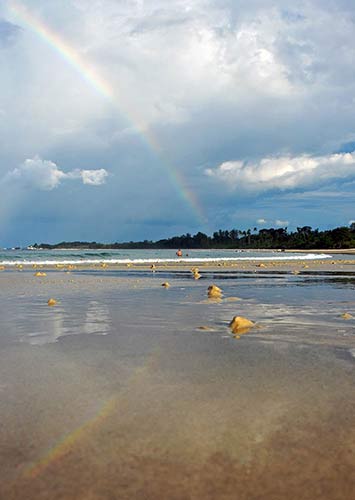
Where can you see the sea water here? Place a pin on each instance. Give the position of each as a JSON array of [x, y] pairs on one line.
[[88, 256]]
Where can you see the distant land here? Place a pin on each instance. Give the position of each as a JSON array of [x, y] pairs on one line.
[[304, 238]]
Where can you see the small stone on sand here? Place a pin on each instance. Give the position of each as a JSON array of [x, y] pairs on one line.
[[214, 292], [240, 324], [51, 302], [347, 316]]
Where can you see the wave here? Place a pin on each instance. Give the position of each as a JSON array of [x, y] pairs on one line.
[[190, 260]]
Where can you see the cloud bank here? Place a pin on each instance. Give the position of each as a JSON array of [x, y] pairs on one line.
[[46, 176], [285, 173]]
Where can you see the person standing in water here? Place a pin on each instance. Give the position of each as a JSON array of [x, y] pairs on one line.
[[179, 253]]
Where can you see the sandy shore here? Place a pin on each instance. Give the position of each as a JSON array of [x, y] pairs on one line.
[[117, 392], [242, 265]]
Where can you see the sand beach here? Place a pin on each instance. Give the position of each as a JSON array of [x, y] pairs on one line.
[[126, 389]]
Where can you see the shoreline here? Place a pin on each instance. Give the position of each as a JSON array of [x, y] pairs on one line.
[[348, 251]]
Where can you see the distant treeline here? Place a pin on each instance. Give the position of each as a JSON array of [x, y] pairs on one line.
[[303, 238]]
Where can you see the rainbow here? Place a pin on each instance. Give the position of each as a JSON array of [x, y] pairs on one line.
[[67, 442], [103, 88]]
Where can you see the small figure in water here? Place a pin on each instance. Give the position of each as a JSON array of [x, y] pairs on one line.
[[179, 253]]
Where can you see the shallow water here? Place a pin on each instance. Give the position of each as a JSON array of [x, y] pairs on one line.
[[117, 393]]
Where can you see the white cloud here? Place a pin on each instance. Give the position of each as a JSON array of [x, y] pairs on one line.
[[281, 223], [285, 173], [277, 222], [37, 173], [94, 177], [45, 175]]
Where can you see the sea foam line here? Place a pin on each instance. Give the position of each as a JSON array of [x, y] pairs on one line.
[[25, 262]]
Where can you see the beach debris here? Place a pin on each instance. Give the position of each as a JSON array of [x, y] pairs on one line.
[[51, 302], [166, 284], [197, 276], [295, 272], [240, 325], [347, 316], [261, 265], [39, 274], [153, 268], [104, 265], [214, 292]]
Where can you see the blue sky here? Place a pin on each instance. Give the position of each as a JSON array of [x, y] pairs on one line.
[[220, 114]]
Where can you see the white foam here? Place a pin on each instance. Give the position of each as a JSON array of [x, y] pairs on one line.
[[53, 262]]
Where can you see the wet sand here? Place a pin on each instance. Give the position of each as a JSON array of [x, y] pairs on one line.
[[117, 392]]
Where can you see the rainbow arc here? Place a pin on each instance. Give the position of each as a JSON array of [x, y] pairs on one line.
[[103, 88]]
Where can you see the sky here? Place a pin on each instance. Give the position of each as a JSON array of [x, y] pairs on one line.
[[127, 120]]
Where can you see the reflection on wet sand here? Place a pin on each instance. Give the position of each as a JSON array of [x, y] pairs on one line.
[[165, 437], [51, 326], [125, 395]]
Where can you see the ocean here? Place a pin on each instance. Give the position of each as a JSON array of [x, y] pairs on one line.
[[86, 256]]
